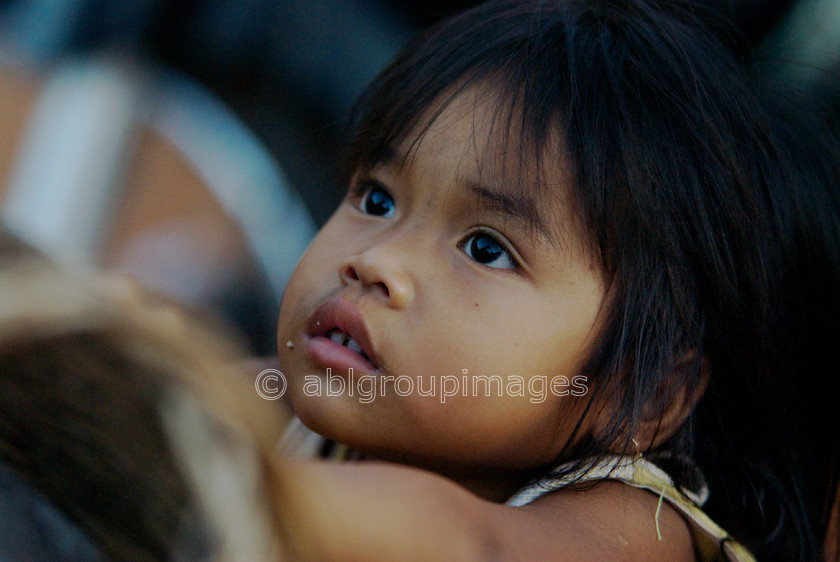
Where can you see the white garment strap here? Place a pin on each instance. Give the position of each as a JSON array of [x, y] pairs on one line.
[[619, 467], [62, 189], [710, 540]]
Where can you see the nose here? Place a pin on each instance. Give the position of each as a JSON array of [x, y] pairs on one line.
[[380, 269]]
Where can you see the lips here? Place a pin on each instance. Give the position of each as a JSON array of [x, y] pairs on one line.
[[337, 337]]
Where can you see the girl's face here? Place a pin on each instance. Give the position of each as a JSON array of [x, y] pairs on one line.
[[470, 305]]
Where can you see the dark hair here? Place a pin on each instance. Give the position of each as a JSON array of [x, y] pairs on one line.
[[713, 228]]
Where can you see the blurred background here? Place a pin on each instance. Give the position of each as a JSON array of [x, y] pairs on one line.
[[193, 143]]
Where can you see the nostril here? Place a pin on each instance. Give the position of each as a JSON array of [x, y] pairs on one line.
[[372, 276], [350, 273]]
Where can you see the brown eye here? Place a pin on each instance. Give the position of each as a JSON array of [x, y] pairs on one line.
[[378, 202], [488, 251]]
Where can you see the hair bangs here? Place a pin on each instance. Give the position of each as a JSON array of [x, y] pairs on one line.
[[514, 57]]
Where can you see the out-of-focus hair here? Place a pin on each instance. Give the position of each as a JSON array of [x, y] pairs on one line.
[[129, 415]]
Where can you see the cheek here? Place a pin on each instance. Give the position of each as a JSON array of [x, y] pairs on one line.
[[509, 431], [318, 266], [293, 295], [307, 280]]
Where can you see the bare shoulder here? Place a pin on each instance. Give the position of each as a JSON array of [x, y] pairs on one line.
[[611, 521], [380, 511], [377, 511]]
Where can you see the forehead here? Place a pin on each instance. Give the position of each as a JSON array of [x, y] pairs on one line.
[[478, 129], [477, 138]]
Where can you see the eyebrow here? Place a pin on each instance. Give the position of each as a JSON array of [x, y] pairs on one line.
[[515, 205], [518, 206]]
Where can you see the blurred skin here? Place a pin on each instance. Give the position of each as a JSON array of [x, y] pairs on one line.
[[161, 197]]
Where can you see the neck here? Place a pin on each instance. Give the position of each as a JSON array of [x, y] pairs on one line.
[[495, 485], [492, 485], [496, 490]]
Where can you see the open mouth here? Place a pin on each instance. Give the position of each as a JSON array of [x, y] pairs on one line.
[[343, 338], [338, 337]]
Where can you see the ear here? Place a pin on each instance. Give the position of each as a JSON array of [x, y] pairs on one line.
[[656, 425]]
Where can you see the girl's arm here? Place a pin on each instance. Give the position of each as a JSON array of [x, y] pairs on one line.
[[381, 511]]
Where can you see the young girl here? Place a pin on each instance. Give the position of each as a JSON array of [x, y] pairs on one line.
[[576, 296]]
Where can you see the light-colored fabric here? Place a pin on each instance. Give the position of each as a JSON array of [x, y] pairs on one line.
[[711, 542], [300, 442], [62, 189]]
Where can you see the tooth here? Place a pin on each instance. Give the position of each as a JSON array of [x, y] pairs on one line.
[[351, 344], [337, 336]]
